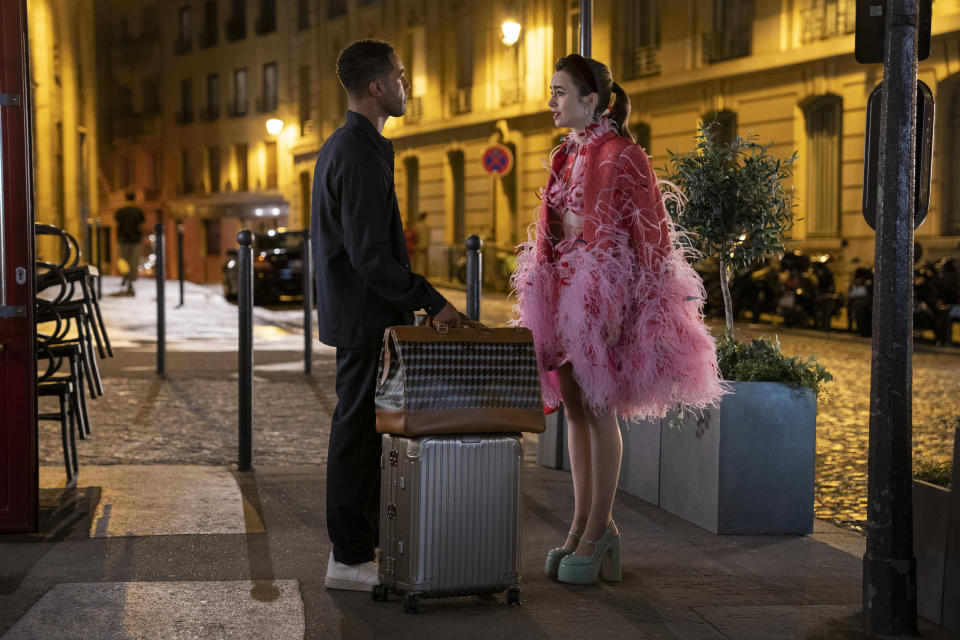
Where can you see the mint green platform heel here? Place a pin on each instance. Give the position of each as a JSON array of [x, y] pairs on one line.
[[605, 561], [554, 556]]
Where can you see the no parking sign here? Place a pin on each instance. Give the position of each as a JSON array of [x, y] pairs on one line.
[[497, 159]]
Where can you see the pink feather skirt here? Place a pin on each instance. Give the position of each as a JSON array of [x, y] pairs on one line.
[[634, 335]]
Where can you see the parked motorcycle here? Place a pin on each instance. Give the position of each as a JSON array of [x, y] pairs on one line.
[[860, 301], [798, 290]]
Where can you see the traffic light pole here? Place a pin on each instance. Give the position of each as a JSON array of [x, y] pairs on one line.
[[889, 568]]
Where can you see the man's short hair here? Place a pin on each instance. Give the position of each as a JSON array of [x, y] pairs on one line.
[[131, 196], [361, 63]]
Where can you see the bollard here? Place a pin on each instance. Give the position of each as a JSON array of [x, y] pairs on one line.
[[161, 311], [307, 304], [474, 276], [180, 260], [99, 266], [245, 369]]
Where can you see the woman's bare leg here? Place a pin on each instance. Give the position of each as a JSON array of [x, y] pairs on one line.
[[606, 449], [578, 445]]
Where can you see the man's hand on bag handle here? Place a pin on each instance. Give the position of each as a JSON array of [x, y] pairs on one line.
[[448, 316]]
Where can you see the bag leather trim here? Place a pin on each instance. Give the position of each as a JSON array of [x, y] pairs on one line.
[[442, 421]]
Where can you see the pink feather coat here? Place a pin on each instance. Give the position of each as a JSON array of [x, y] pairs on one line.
[[624, 306]]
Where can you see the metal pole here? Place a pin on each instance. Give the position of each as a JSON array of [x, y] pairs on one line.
[[99, 265], [307, 304], [889, 568], [180, 260], [474, 276], [88, 245], [245, 308], [161, 303], [586, 28]]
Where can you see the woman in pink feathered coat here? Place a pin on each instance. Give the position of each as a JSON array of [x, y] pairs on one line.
[[614, 307]]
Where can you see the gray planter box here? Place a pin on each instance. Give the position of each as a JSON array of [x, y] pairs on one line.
[[746, 467], [547, 442], [931, 506], [640, 466]]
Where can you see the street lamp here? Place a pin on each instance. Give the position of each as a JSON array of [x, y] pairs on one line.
[[510, 32], [274, 126]]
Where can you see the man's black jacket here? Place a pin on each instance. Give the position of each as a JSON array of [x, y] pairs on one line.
[[360, 262]]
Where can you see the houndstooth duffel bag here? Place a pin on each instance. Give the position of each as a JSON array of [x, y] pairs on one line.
[[474, 379]]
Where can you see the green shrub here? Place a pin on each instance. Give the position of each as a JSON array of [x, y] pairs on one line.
[[938, 472], [761, 360]]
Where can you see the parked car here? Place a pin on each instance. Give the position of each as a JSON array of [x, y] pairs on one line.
[[277, 268]]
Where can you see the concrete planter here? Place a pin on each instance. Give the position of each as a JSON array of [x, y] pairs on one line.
[[547, 454], [931, 508], [640, 466], [746, 467]]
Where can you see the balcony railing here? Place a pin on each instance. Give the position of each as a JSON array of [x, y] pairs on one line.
[[414, 111], [209, 37], [183, 116], [237, 109], [209, 112], [266, 105], [829, 21], [460, 101], [266, 24], [182, 45], [646, 61], [236, 29], [510, 93], [143, 51], [135, 126], [727, 44]]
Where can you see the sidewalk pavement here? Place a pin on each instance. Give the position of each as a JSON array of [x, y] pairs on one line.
[[162, 538]]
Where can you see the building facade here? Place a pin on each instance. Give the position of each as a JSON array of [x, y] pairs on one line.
[[64, 102], [782, 70]]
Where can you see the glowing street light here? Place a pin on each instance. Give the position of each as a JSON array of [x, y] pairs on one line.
[[274, 126], [510, 32]]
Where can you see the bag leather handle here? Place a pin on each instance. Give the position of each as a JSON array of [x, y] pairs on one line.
[[442, 327]]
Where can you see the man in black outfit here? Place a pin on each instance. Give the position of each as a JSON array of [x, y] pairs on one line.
[[364, 285]]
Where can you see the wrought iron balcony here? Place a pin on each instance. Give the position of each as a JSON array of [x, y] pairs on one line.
[[236, 29], [237, 109], [414, 111], [460, 101], [265, 104], [266, 24], [645, 61], [131, 127], [209, 37], [510, 92], [182, 45], [727, 44], [209, 112], [834, 19]]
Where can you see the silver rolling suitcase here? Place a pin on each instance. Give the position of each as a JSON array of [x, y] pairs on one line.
[[450, 517]]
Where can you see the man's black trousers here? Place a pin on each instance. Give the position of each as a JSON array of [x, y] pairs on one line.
[[353, 459]]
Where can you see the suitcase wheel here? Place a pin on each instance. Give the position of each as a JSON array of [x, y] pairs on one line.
[[411, 603], [513, 596], [379, 592]]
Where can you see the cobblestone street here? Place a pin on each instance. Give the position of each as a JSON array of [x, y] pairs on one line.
[[143, 419]]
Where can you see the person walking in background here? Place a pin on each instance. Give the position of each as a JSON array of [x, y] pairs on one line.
[[614, 307], [129, 237], [364, 285]]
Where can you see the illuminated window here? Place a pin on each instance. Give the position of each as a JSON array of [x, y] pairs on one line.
[[641, 38], [823, 117]]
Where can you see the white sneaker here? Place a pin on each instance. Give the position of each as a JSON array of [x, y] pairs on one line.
[[353, 577]]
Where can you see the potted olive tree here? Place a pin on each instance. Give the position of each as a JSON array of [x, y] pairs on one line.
[[746, 466]]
